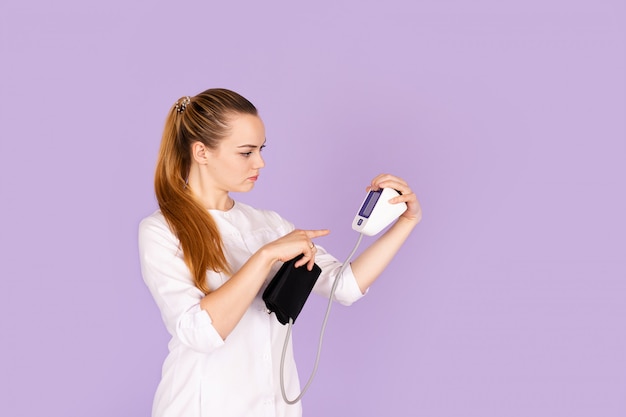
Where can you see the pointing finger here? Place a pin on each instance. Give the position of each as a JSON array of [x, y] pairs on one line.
[[311, 234]]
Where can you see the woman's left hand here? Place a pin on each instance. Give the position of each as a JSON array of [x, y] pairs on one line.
[[414, 210]]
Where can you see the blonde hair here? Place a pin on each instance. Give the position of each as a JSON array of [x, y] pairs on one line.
[[203, 118]]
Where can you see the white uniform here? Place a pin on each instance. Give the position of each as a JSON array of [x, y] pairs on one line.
[[204, 375]]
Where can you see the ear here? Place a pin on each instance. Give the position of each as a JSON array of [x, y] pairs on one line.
[[199, 153]]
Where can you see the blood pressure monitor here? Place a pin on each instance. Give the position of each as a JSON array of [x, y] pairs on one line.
[[377, 212], [285, 297]]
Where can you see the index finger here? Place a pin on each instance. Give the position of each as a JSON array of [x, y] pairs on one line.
[[311, 234], [388, 180]]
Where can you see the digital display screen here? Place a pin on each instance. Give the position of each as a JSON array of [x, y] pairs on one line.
[[369, 203]]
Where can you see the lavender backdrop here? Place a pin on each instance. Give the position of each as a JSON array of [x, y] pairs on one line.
[[507, 118]]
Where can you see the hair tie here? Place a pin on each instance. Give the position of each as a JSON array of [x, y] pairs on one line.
[[181, 104]]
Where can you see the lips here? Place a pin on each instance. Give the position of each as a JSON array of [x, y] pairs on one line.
[[256, 177]]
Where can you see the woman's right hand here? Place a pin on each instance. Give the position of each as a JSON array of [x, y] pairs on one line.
[[293, 244]]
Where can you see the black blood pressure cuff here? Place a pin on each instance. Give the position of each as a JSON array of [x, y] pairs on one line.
[[289, 289]]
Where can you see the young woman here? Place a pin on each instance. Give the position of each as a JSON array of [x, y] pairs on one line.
[[207, 258]]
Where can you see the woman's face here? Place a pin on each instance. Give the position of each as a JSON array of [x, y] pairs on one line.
[[234, 165]]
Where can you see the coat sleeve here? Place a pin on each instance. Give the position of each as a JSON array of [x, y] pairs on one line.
[[170, 283], [347, 291]]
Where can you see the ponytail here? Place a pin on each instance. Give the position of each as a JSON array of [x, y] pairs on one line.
[[203, 118]]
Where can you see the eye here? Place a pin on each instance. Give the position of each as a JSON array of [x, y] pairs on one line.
[[248, 154]]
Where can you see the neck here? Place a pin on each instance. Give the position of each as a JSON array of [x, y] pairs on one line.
[[224, 203], [211, 197]]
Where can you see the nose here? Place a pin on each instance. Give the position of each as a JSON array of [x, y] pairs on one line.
[[259, 162]]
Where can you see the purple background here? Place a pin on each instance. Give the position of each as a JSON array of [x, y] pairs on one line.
[[507, 118]]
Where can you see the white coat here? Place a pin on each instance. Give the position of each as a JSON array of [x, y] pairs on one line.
[[204, 375]]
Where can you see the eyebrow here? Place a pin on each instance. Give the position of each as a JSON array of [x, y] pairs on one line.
[[252, 146]]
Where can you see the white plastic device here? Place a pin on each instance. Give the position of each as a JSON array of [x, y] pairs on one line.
[[377, 212]]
